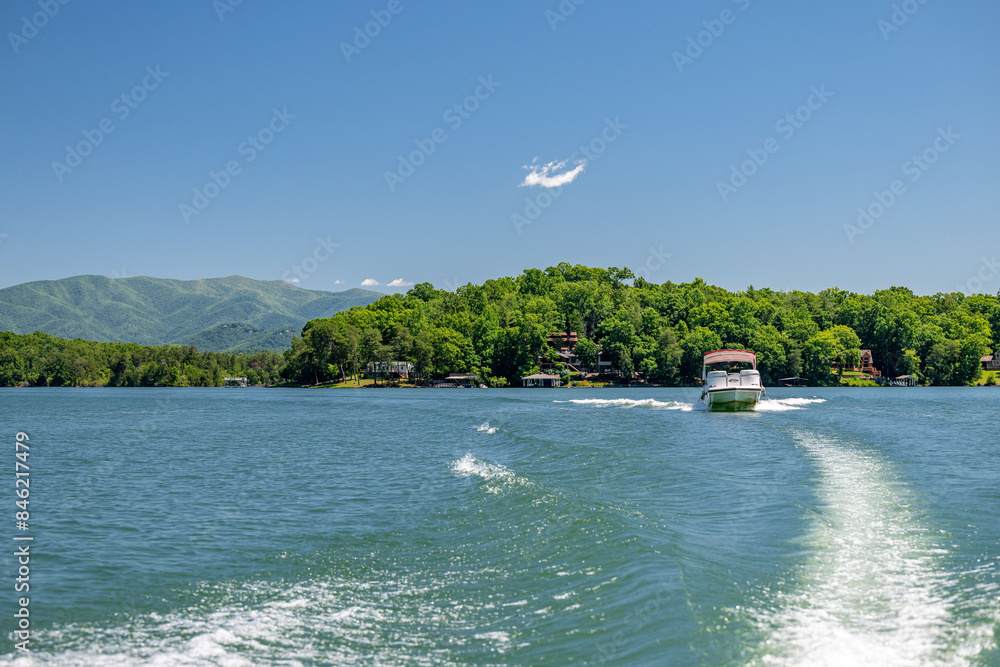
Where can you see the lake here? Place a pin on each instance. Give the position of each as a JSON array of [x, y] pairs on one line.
[[464, 526]]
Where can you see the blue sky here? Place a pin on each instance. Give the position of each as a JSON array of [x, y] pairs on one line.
[[668, 122]]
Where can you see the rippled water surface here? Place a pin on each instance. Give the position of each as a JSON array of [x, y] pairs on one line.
[[239, 527]]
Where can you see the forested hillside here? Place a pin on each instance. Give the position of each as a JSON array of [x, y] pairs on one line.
[[242, 338], [157, 311], [39, 359], [654, 332]]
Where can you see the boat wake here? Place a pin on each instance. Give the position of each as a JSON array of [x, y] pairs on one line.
[[497, 477], [765, 405], [785, 404], [486, 428], [274, 623], [632, 403], [874, 591]]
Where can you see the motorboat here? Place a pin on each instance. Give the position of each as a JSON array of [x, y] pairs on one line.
[[731, 389]]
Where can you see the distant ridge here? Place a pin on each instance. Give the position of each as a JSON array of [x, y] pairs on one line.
[[217, 314]]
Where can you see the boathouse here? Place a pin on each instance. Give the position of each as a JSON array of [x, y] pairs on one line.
[[541, 380], [462, 379]]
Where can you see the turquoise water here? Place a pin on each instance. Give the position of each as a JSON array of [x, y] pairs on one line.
[[230, 527]]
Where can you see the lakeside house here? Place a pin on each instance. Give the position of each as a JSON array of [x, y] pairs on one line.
[[234, 382], [991, 363], [563, 340], [541, 380], [564, 344], [567, 359], [389, 369], [866, 366]]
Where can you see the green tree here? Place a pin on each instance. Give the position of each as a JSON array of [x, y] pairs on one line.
[[909, 363], [588, 351], [835, 347], [694, 347], [942, 363], [668, 357]]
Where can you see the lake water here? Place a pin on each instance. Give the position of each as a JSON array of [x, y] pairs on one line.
[[230, 527]]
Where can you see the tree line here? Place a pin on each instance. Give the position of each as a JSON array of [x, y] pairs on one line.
[[499, 330], [650, 332], [39, 359]]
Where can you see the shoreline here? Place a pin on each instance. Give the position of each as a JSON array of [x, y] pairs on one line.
[[609, 387]]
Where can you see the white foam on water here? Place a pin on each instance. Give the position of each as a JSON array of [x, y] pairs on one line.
[[237, 632], [486, 428], [497, 476], [785, 404], [874, 591], [631, 403]]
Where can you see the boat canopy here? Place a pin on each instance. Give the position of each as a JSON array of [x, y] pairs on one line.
[[723, 356]]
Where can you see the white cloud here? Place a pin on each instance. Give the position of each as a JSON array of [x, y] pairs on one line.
[[337, 282], [544, 175], [292, 280], [369, 282], [398, 282]]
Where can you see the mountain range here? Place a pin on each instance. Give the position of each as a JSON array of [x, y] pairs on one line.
[[232, 314]]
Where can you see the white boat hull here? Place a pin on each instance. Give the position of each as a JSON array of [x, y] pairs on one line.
[[732, 400]]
